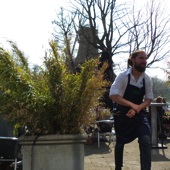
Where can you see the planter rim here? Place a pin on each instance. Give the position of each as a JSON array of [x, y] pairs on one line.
[[52, 139]]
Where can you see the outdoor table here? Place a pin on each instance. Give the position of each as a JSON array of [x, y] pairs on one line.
[[153, 109]]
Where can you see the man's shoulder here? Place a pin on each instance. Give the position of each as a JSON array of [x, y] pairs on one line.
[[123, 76], [125, 72], [146, 76]]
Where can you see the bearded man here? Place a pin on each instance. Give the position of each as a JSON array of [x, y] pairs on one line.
[[132, 93]]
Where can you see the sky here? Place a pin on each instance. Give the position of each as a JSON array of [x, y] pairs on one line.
[[28, 23]]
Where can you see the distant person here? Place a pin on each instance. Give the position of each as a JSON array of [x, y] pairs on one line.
[[159, 99], [132, 91], [165, 108], [161, 113]]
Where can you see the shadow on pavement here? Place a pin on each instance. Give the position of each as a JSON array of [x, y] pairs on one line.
[[167, 141], [159, 158], [162, 154], [105, 148]]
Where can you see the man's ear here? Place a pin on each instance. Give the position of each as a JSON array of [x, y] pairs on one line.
[[132, 60]]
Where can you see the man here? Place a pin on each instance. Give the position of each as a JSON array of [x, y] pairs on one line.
[[132, 92]]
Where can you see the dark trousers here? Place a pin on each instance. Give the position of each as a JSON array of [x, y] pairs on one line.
[[145, 153]]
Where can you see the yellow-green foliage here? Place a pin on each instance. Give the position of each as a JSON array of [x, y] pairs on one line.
[[52, 99]]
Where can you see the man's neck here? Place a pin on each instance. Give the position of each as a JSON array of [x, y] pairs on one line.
[[136, 74]]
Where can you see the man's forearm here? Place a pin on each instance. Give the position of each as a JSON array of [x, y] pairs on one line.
[[145, 103], [120, 100]]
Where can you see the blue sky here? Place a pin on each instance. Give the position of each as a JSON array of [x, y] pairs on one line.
[[28, 23]]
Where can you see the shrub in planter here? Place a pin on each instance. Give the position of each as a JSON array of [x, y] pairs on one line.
[[49, 99]]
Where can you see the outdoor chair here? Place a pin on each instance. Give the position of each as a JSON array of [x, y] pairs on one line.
[[9, 150], [105, 128]]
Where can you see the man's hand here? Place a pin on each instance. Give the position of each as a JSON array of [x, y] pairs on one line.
[[143, 105], [131, 113], [136, 107]]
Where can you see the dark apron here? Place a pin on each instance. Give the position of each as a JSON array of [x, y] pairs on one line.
[[127, 129]]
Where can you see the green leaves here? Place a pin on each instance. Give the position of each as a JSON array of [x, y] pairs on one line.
[[50, 99]]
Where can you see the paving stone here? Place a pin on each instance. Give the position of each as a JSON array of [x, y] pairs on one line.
[[103, 158]]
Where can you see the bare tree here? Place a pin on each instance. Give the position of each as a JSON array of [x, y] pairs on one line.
[[150, 32], [104, 17], [119, 30], [63, 35], [116, 29]]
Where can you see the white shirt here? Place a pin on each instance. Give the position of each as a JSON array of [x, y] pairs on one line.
[[119, 85]]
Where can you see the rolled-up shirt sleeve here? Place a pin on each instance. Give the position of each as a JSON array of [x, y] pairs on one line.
[[148, 88], [118, 86]]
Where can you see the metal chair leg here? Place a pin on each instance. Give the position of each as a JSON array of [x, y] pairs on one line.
[[15, 165], [98, 138]]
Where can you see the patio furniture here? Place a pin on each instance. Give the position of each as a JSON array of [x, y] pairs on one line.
[[9, 150], [104, 128], [154, 126]]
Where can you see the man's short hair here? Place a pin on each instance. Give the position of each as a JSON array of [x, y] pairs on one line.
[[134, 55]]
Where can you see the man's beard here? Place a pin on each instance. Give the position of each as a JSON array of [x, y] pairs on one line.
[[139, 68]]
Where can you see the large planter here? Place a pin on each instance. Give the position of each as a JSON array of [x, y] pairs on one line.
[[53, 152]]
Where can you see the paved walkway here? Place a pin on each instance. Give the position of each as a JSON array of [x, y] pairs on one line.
[[103, 158]]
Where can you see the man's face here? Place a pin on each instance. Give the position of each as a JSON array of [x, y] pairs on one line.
[[139, 62]]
